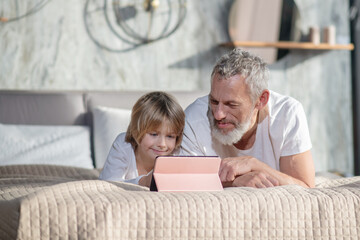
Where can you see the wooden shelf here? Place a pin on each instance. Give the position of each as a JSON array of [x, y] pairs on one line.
[[291, 45]]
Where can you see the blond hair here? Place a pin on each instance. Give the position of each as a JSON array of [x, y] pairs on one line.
[[149, 112]]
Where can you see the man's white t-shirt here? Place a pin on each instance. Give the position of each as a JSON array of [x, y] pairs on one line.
[[283, 132], [120, 164]]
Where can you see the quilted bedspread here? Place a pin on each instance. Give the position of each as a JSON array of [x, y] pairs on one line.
[[42, 202]]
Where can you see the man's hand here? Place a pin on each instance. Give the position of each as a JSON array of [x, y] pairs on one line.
[[249, 171], [232, 167], [255, 179], [241, 172]]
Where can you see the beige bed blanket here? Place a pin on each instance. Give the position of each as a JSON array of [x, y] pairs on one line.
[[42, 202]]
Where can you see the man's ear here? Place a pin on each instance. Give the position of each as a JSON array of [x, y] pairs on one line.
[[263, 99]]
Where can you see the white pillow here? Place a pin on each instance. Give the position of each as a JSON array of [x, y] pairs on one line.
[[108, 123], [56, 145]]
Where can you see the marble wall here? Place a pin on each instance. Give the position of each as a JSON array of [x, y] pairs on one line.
[[52, 49]]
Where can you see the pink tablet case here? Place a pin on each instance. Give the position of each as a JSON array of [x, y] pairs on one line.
[[190, 173]]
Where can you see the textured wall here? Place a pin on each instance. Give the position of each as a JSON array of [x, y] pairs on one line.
[[321, 80], [52, 50]]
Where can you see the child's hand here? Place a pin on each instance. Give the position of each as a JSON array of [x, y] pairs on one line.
[[146, 179]]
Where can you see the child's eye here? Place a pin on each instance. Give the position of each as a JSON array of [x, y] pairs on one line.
[[153, 134], [171, 136]]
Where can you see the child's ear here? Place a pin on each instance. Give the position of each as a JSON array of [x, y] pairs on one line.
[[263, 99]]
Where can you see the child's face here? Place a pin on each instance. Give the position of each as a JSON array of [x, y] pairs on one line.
[[162, 141]]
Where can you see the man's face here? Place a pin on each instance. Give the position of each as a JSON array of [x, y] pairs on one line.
[[232, 111]]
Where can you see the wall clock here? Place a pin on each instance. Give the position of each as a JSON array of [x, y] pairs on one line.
[[135, 22]]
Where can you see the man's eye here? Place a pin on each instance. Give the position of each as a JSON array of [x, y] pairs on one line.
[[212, 101], [233, 105]]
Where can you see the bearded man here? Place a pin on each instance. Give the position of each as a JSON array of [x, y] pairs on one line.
[[261, 136]]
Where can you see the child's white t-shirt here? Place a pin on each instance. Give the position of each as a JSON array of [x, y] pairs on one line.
[[120, 164], [283, 132]]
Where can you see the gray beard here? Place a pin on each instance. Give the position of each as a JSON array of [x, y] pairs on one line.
[[231, 137]]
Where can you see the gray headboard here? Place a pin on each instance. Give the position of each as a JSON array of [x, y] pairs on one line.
[[69, 107], [42, 108]]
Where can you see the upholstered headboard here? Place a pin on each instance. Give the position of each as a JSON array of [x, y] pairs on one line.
[[69, 107], [42, 108]]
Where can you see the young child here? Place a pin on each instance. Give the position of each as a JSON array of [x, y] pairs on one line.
[[156, 128]]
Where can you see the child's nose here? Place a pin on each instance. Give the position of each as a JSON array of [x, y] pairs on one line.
[[162, 142]]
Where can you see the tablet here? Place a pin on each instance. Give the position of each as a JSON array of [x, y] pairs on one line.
[[186, 173]]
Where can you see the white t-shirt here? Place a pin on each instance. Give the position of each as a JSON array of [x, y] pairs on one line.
[[120, 164], [283, 132]]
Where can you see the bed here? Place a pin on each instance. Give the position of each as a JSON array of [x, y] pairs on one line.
[[57, 197]]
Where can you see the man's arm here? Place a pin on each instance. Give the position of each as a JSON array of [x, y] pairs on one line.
[[249, 171], [300, 167]]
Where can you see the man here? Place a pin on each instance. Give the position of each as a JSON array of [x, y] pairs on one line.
[[261, 136]]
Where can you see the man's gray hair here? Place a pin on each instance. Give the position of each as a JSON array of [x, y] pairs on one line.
[[249, 66]]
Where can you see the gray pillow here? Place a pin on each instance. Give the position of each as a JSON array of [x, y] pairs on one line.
[[35, 144], [108, 123]]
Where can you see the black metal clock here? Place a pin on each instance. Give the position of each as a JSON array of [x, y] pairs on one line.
[[135, 22]]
